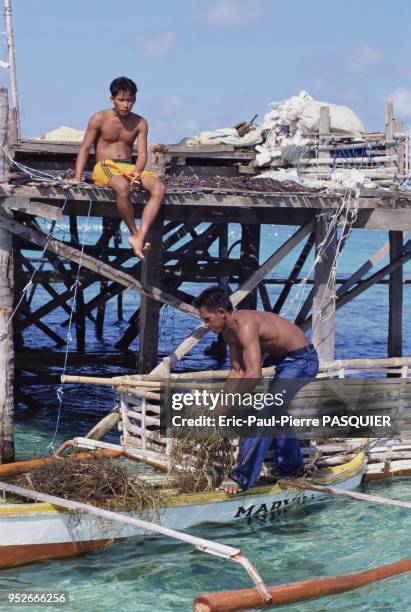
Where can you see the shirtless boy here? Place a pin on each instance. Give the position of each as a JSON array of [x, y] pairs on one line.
[[113, 132], [251, 335]]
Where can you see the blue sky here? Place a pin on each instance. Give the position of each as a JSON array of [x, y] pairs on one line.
[[204, 64]]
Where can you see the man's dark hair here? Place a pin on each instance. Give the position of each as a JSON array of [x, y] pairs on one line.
[[123, 84], [214, 298]]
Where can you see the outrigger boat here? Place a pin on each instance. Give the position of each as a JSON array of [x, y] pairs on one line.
[[38, 531]]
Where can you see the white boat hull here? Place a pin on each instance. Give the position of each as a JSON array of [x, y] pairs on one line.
[[35, 531]]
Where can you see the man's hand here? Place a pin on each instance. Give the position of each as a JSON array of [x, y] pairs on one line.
[[136, 179]]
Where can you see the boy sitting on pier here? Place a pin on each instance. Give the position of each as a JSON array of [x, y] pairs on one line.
[[113, 132], [250, 336]]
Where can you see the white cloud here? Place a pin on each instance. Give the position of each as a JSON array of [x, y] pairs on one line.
[[233, 13], [401, 98], [365, 56], [157, 45], [172, 105]]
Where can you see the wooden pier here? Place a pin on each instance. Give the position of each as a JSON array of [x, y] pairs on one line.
[[157, 281]]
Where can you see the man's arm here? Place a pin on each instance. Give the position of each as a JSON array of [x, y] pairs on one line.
[[245, 370], [141, 148], [88, 141]]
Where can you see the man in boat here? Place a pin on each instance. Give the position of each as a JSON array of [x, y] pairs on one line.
[[113, 132], [252, 335]]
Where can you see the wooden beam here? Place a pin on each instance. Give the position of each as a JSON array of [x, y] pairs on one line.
[[30, 207], [198, 333], [95, 265], [265, 298], [294, 274], [324, 291], [150, 309], [249, 261], [395, 297], [267, 267], [195, 249], [43, 327], [78, 304], [367, 283], [389, 120], [223, 253]]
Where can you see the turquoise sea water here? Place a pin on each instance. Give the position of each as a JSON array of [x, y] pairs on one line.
[[327, 538]]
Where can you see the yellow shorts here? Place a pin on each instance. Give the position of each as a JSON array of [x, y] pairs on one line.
[[104, 170]]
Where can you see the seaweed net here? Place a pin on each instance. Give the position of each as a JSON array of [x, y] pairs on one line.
[[200, 463], [100, 482]]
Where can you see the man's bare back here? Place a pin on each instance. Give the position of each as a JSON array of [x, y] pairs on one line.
[[277, 336]]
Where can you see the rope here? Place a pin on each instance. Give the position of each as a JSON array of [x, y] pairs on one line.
[[29, 284], [39, 174], [348, 210], [60, 390]]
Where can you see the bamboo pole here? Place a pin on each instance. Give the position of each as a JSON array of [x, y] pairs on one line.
[[146, 380], [207, 546], [373, 499]]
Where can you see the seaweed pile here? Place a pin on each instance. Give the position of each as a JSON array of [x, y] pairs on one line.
[[100, 482], [200, 463], [239, 184]]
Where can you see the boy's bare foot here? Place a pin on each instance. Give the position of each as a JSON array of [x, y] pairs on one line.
[[138, 247], [229, 486]]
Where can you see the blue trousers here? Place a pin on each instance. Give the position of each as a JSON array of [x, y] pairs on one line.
[[300, 365]]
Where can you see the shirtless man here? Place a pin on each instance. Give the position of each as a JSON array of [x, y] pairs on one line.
[[250, 335], [113, 132]]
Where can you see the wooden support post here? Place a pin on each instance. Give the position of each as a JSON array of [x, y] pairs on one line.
[[249, 261], [294, 274], [151, 273], [223, 252], [18, 287], [324, 292], [324, 129], [389, 120], [6, 307], [395, 298], [150, 309], [101, 308], [117, 243], [80, 320]]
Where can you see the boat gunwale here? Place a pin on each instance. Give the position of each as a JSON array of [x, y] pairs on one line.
[[330, 475]]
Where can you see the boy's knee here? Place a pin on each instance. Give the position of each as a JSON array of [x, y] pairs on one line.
[[121, 189]]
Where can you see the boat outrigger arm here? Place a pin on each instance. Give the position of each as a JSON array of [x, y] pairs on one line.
[[207, 546]]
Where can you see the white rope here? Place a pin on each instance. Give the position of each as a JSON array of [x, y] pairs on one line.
[[39, 174], [28, 285], [350, 214], [349, 219], [60, 390]]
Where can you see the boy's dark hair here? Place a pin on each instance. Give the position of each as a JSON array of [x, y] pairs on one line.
[[214, 298], [123, 84]]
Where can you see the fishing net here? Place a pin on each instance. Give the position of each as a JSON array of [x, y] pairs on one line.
[[100, 482]]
